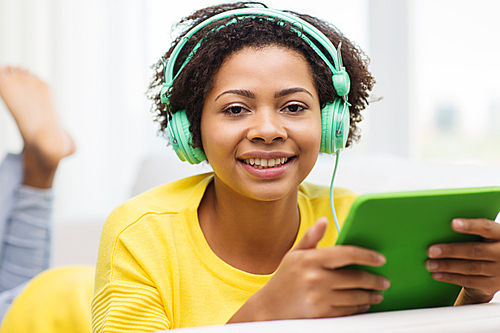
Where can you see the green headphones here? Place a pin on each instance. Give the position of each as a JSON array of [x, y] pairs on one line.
[[335, 117]]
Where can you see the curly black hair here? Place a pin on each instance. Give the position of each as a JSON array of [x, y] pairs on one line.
[[220, 40]]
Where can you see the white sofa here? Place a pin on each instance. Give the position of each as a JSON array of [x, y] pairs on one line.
[[484, 318]]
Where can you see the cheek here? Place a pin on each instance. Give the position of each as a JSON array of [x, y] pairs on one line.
[[204, 135], [217, 139], [207, 138], [317, 134], [310, 136]]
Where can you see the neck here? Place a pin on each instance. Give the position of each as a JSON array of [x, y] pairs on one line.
[[248, 234]]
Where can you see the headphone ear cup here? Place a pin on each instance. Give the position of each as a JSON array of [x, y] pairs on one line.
[[181, 138], [326, 128], [342, 121], [335, 123]]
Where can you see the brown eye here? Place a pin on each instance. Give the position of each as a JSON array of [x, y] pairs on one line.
[[294, 108], [235, 110]]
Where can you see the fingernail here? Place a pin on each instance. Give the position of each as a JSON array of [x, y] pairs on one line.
[[431, 265], [365, 308], [459, 224], [379, 298], [381, 259], [437, 276], [435, 251], [386, 284]]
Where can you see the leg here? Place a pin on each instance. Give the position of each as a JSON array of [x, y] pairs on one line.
[[25, 246], [25, 229], [26, 240], [45, 141], [11, 178]]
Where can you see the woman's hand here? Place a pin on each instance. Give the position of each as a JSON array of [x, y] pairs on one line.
[[311, 284], [473, 265]]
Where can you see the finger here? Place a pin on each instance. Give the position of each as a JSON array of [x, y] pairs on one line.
[[313, 235], [358, 279], [486, 284], [352, 298], [345, 255], [348, 311], [485, 228], [468, 250], [463, 267]]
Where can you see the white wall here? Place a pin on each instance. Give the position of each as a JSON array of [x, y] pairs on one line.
[[388, 120], [456, 109], [96, 55]]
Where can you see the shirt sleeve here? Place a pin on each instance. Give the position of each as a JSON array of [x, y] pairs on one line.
[[128, 307], [126, 296]]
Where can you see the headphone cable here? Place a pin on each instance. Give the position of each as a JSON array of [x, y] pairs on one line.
[[331, 193]]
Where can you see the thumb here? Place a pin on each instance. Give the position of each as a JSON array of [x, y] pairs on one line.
[[313, 235]]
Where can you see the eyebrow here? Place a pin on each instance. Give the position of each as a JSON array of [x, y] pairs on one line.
[[249, 94], [242, 92], [290, 91]]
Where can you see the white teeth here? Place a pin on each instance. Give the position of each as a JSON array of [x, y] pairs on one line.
[[261, 163]]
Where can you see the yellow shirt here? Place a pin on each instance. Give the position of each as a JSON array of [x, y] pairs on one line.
[[156, 271]]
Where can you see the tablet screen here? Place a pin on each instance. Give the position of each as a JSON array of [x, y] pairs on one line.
[[402, 225]]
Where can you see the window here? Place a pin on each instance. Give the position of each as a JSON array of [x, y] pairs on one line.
[[456, 95]]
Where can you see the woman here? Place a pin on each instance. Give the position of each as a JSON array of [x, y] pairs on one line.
[[248, 242]]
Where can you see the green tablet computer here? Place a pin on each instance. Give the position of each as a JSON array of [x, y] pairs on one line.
[[402, 226]]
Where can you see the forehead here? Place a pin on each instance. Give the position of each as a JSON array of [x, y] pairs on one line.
[[271, 64]]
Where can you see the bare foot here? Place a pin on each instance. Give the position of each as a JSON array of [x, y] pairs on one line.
[[30, 101]]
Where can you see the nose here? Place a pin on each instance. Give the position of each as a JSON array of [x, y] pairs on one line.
[[267, 127]]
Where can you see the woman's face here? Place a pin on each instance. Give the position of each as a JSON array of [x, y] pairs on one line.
[[261, 123]]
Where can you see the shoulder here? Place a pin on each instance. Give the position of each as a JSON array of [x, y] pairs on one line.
[[169, 198], [149, 220], [320, 192]]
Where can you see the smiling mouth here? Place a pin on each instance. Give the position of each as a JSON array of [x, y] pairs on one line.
[[261, 163]]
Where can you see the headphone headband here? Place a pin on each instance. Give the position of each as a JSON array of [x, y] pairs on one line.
[[301, 25]]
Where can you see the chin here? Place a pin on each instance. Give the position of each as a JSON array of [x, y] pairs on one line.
[[272, 192]]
